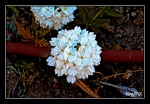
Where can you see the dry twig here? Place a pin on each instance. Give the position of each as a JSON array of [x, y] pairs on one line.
[[84, 87]]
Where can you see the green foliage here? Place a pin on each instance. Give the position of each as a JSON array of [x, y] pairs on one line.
[[84, 14], [103, 10], [114, 13], [14, 11], [21, 91], [11, 25], [19, 88], [98, 20], [14, 69]]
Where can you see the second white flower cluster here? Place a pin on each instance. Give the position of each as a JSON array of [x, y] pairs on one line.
[[74, 54], [53, 17]]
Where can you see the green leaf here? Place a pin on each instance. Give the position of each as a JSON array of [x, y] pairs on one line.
[[83, 13], [24, 88], [100, 22], [11, 67], [11, 25], [94, 29], [102, 12], [20, 91], [15, 11], [114, 13]]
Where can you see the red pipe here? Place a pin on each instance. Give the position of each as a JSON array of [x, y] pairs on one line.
[[27, 49], [134, 56]]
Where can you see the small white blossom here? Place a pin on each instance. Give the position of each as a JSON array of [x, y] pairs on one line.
[[61, 67], [94, 57], [70, 54], [54, 42], [48, 23], [51, 60], [82, 59], [71, 79], [73, 69], [86, 44], [61, 33], [64, 19], [47, 11], [70, 38], [70, 17]]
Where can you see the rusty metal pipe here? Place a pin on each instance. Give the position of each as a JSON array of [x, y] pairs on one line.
[[134, 56]]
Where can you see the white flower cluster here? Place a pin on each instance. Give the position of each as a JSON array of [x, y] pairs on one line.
[[53, 17], [74, 54]]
